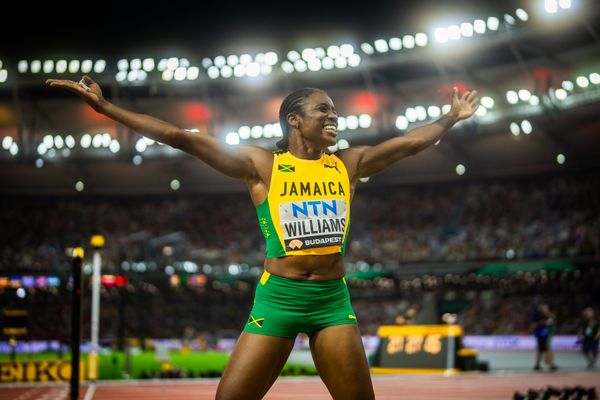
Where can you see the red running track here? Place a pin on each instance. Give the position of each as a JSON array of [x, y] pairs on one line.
[[413, 387]]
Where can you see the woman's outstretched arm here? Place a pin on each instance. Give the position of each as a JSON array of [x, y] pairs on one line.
[[370, 160], [239, 162]]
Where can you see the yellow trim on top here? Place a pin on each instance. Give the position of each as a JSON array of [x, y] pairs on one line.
[[265, 277], [344, 279], [414, 371], [399, 330]]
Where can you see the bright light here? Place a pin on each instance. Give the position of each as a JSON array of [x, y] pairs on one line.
[[48, 66], [381, 45], [434, 111], [58, 142], [481, 111], [140, 145], [226, 71], [460, 169], [441, 35], [245, 59], [97, 140], [354, 60], [256, 132], [136, 64], [564, 4], [137, 159], [22, 66], [175, 185], [73, 66], [122, 65], [6, 142], [408, 41], [293, 55], [524, 94], [526, 127], [86, 66], [287, 66], [560, 94], [560, 158], [421, 113], [314, 64], [79, 186], [401, 122], [421, 39], [213, 72], [244, 132], [132, 75], [343, 144], [509, 19], [36, 65], [367, 48], [271, 58], [172, 63], [114, 146], [364, 120], [341, 124], [192, 73], [3, 75], [479, 26], [48, 141], [21, 293], [39, 163], [308, 54], [346, 50], [582, 81], [493, 23], [86, 141], [300, 65], [70, 141], [446, 108], [515, 129], [352, 122], [550, 6], [180, 74], [341, 62], [534, 100], [41, 149], [99, 66], [595, 78], [453, 32], [512, 97], [122, 75], [567, 85], [522, 14], [411, 114], [466, 29], [395, 43], [13, 149], [487, 102], [232, 138]]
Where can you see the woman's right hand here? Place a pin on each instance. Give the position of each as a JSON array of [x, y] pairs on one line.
[[86, 88]]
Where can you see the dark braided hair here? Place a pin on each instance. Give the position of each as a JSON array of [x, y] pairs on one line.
[[292, 104]]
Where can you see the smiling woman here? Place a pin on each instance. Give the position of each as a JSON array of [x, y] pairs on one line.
[[302, 194]]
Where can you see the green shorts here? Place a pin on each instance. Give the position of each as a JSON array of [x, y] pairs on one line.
[[285, 307]]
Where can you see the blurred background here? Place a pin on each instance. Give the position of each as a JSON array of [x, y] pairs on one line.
[[500, 216]]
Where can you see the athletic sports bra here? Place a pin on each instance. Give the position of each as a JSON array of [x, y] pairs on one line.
[[307, 209]]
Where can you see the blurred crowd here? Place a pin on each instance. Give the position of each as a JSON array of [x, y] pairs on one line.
[[531, 218]]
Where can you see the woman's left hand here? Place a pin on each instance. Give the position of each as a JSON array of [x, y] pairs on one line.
[[465, 106]]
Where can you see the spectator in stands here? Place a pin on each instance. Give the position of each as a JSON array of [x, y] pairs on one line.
[[589, 335]]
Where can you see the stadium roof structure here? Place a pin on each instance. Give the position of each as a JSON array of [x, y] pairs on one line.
[[223, 70]]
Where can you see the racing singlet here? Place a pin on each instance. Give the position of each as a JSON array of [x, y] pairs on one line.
[[307, 209]]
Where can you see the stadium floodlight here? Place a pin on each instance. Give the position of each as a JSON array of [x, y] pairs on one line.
[[515, 129], [479, 26], [352, 122], [564, 4], [239, 70], [354, 60], [333, 51], [308, 54], [122, 65], [512, 97], [278, 132], [266, 69], [271, 58], [493, 23], [48, 141], [99, 66], [41, 149], [560, 158], [244, 132], [245, 59], [320, 52], [433, 111], [61, 66], [526, 127], [22, 66], [85, 141], [86, 66], [121, 76], [343, 144], [395, 43], [381, 45], [148, 64], [175, 184], [253, 69], [140, 145], [167, 75], [346, 50], [509, 19], [487, 102], [206, 63], [342, 124], [268, 130], [184, 62], [441, 35], [74, 66], [232, 138], [180, 73], [453, 32], [446, 108], [534, 100], [70, 141], [13, 149], [192, 73], [560, 94], [287, 66], [39, 163], [408, 41], [6, 142], [364, 121], [58, 142], [232, 60], [172, 63], [341, 62], [213, 72], [328, 63], [3, 75], [106, 139], [367, 48], [48, 66], [36, 65], [114, 146], [131, 75], [466, 29], [481, 111], [401, 122], [219, 61], [300, 65], [256, 132], [411, 114], [162, 64], [293, 55], [421, 113], [567, 85], [522, 14], [524, 94], [460, 169], [79, 186], [550, 6], [226, 71], [582, 81], [97, 141], [314, 64], [135, 64], [421, 39], [595, 78]]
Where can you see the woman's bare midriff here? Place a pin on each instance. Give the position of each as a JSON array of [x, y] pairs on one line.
[[307, 268]]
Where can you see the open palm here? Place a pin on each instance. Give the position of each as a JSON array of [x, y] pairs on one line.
[[465, 106], [87, 89]]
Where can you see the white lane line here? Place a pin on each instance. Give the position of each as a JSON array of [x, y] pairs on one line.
[[89, 394]]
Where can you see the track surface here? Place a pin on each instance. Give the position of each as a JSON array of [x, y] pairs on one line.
[[416, 387]]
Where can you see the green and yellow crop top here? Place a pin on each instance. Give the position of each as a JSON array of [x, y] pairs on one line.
[[307, 209]]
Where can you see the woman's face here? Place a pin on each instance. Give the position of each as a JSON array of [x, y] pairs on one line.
[[318, 122]]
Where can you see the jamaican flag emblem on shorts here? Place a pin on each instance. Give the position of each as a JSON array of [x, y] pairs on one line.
[[286, 168]]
